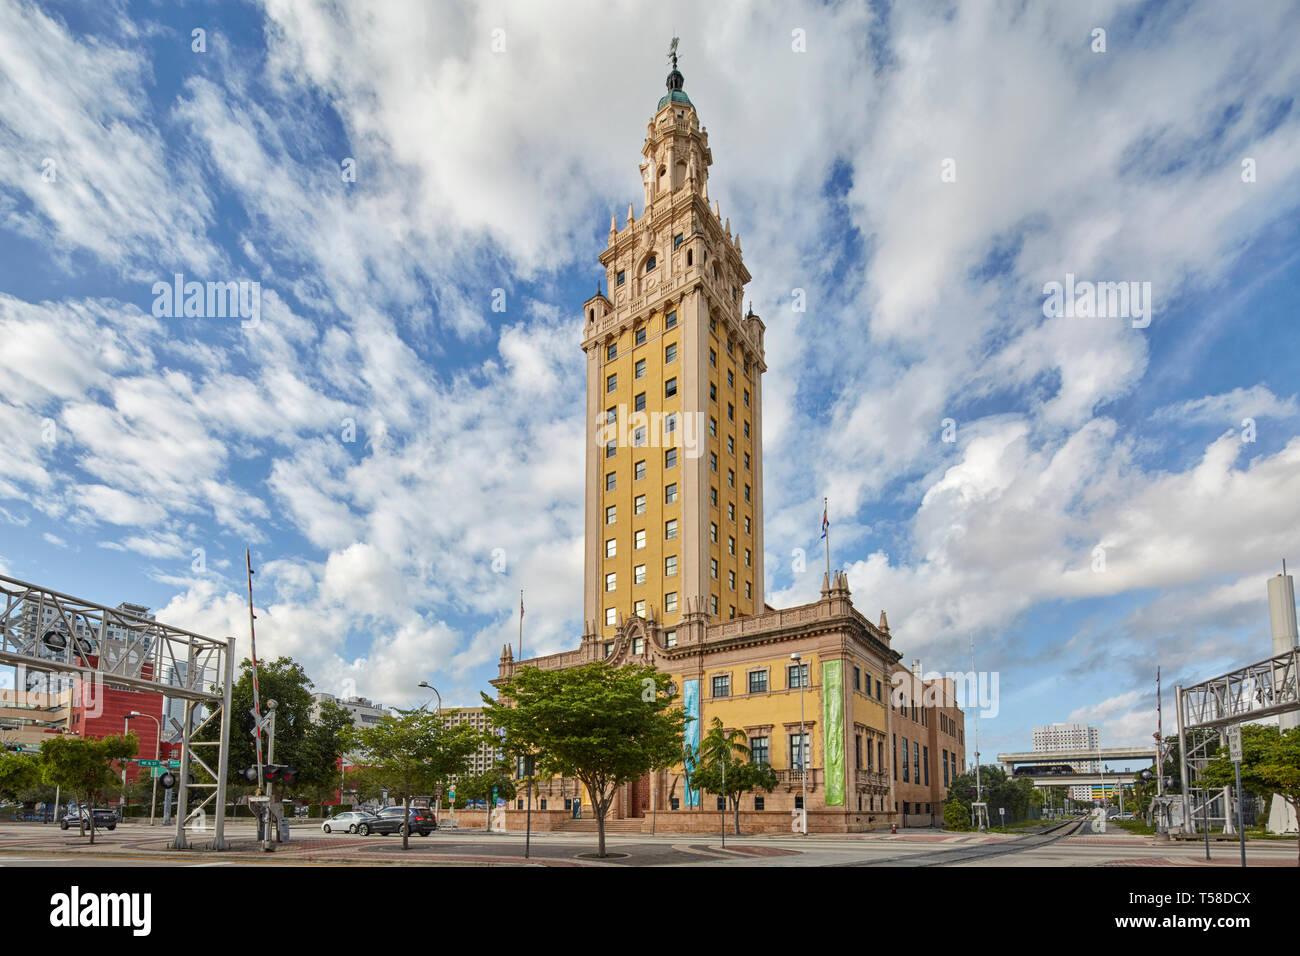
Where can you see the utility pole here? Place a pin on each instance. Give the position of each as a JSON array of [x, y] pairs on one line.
[[979, 790]]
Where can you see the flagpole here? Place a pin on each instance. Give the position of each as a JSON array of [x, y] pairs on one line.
[[826, 516], [521, 624]]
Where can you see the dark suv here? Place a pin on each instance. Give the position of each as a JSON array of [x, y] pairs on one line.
[[103, 818], [422, 821]]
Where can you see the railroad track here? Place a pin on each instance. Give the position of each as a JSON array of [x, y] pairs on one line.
[[982, 851]]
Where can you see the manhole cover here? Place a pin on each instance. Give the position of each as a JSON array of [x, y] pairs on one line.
[[607, 856]]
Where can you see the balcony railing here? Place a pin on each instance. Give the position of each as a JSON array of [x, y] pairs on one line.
[[793, 779]]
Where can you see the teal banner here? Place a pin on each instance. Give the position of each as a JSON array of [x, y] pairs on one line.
[[691, 704]]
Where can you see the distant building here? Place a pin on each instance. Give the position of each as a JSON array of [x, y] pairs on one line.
[[1060, 737], [486, 755]]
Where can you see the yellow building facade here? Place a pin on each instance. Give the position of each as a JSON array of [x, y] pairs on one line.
[[674, 527]]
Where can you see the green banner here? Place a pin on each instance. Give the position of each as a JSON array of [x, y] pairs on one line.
[[833, 731]]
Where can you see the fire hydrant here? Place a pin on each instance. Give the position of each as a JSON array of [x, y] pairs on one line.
[[893, 828]]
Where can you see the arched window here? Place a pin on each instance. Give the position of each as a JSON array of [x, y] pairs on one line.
[[650, 264], [591, 315]]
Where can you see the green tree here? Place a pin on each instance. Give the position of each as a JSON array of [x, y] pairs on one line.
[[413, 753], [83, 766], [1270, 765], [481, 785], [309, 747], [18, 774], [725, 768], [606, 726], [956, 815]]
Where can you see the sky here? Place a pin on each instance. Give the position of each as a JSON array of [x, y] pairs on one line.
[[1086, 497]]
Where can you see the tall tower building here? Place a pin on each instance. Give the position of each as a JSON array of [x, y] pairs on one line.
[[674, 490]]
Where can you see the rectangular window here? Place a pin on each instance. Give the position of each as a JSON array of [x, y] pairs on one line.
[[713, 428], [670, 529], [722, 685], [731, 379], [731, 445], [798, 750], [670, 493], [611, 581], [609, 648], [713, 392], [758, 752], [731, 512], [640, 333], [713, 463], [611, 382], [746, 429], [747, 492], [857, 678], [638, 574], [611, 481], [731, 412], [670, 566], [713, 497], [748, 558], [639, 610], [731, 478], [857, 751], [611, 547], [611, 449], [670, 637], [731, 545], [638, 505], [670, 607], [797, 676], [638, 470], [713, 568], [640, 368], [916, 760], [621, 277], [611, 416], [758, 682], [670, 354], [638, 540], [713, 356], [749, 591], [639, 402], [678, 240], [905, 766], [758, 803], [747, 461], [611, 352], [610, 514], [670, 458], [713, 532], [611, 617], [746, 525], [746, 396], [671, 319], [670, 388], [713, 604], [925, 763], [731, 580]]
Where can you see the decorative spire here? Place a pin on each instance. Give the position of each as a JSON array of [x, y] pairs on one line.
[[675, 80], [884, 621]]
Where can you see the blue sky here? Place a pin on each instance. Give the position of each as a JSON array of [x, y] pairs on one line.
[[920, 171]]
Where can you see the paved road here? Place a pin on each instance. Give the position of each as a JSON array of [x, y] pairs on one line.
[[138, 845]]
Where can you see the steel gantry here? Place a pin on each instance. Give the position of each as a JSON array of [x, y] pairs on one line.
[[1266, 688], [83, 642]]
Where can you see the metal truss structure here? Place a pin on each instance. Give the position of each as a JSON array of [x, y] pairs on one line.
[[1264, 689], [48, 632]]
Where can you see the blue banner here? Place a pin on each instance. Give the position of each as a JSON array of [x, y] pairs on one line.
[[691, 704]]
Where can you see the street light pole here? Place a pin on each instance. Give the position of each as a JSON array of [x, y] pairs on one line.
[[803, 745], [157, 756], [427, 685]]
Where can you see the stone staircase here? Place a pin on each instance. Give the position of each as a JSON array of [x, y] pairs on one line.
[[588, 825]]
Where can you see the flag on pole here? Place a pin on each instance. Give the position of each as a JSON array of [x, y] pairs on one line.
[[521, 605], [826, 524]]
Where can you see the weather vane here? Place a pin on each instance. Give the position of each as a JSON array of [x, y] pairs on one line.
[[672, 52]]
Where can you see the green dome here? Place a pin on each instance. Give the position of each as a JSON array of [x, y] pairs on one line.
[[676, 96]]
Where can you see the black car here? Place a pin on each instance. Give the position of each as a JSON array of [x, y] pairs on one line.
[[103, 818], [422, 821]]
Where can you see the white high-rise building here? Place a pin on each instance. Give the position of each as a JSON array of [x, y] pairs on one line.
[[1063, 737]]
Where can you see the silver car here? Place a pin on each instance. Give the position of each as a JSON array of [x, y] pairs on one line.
[[347, 821]]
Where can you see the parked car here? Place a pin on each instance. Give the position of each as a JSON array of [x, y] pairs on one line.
[[348, 821], [422, 820], [103, 818]]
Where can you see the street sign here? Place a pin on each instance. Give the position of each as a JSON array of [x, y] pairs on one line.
[[150, 763], [1234, 742], [174, 764], [156, 771]]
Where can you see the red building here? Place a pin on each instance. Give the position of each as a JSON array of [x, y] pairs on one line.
[[101, 711]]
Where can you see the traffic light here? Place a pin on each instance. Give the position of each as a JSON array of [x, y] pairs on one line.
[[250, 774], [272, 773], [167, 780]]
